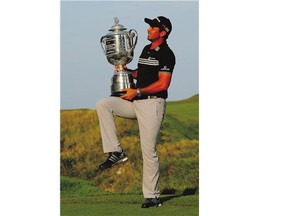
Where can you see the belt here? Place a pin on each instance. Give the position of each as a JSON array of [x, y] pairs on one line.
[[143, 97]]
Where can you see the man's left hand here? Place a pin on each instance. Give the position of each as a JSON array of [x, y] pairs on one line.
[[130, 94]]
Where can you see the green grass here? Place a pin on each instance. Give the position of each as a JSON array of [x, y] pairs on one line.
[[185, 110], [110, 193], [181, 120], [81, 198], [127, 205]]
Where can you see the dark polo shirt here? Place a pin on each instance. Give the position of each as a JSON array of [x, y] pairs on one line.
[[151, 62]]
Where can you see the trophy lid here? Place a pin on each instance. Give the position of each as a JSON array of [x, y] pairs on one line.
[[117, 26]]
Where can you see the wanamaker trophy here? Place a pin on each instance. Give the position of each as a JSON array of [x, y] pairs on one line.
[[118, 46]]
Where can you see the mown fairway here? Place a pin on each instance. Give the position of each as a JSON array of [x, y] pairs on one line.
[[79, 198], [117, 191]]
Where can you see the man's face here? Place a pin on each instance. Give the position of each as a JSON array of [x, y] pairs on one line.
[[153, 33]]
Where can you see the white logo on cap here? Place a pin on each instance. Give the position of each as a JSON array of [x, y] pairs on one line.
[[166, 29]]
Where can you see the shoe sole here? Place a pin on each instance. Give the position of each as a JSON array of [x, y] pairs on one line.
[[153, 206], [120, 161]]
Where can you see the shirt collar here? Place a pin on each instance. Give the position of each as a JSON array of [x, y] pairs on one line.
[[159, 47]]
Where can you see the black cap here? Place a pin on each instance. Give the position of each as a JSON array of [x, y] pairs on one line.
[[161, 22]]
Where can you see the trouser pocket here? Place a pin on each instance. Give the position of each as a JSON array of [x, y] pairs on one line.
[[160, 107]]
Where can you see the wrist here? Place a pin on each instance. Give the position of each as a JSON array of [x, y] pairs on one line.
[[139, 94]]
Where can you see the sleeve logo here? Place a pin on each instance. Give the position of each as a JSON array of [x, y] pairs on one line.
[[165, 68]]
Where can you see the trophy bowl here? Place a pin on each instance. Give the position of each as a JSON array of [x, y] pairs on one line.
[[118, 47]]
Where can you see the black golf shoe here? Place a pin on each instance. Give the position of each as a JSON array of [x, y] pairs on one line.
[[113, 159], [151, 202]]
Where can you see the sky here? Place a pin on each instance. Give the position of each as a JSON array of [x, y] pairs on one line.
[[86, 73]]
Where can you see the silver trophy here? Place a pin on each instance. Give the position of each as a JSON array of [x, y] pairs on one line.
[[118, 46]]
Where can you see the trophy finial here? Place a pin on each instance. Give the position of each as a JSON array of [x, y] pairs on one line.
[[116, 20], [117, 26]]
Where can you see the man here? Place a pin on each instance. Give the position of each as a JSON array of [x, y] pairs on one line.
[[146, 103]]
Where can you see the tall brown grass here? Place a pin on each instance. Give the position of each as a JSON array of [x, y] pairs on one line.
[[81, 153]]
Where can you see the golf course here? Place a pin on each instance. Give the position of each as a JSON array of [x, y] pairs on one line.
[[118, 191]]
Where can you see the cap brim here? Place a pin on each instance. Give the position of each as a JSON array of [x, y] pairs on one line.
[[152, 23]]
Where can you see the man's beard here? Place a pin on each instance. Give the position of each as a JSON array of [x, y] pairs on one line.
[[153, 40]]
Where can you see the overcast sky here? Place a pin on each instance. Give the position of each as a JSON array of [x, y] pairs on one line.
[[86, 73]]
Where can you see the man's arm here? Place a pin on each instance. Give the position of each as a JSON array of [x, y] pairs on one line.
[[160, 85], [133, 72]]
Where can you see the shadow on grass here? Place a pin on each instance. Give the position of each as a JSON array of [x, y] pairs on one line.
[[186, 192]]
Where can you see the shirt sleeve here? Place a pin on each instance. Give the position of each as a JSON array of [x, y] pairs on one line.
[[167, 62]]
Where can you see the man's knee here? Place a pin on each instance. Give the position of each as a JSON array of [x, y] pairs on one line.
[[101, 104]]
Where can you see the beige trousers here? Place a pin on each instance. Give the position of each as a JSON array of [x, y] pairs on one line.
[[149, 114]]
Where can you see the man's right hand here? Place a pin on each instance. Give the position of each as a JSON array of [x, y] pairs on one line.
[[118, 68]]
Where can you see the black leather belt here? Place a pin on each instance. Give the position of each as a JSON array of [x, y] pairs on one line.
[[143, 97]]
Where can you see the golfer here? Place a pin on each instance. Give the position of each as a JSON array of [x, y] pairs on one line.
[[146, 103]]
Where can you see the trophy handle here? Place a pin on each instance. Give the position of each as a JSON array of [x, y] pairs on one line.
[[134, 38], [102, 42]]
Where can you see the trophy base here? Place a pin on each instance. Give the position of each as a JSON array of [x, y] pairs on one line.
[[120, 81], [117, 94]]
